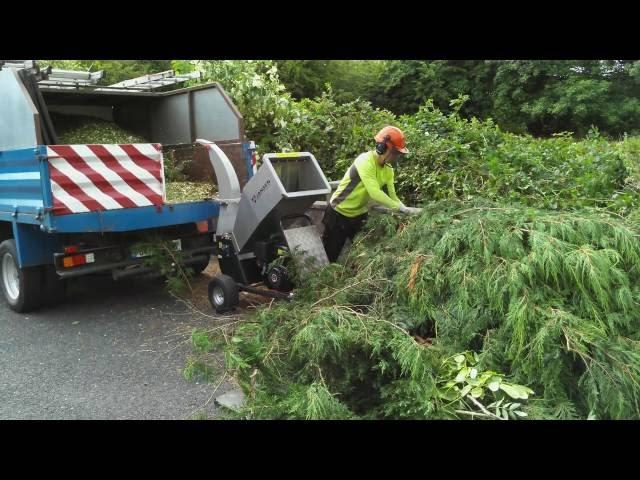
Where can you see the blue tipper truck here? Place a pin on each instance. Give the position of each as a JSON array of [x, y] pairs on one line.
[[72, 210]]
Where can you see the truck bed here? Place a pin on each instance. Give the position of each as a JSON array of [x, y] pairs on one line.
[[38, 186], [138, 218]]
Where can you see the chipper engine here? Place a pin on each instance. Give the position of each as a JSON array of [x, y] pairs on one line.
[[262, 229]]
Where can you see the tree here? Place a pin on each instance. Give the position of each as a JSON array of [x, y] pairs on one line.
[[353, 79], [349, 79], [304, 78], [540, 97], [544, 97], [406, 85]]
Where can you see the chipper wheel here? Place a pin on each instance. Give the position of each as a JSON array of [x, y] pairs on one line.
[[223, 293], [278, 279]]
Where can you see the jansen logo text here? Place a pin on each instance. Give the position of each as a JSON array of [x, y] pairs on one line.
[[256, 196]]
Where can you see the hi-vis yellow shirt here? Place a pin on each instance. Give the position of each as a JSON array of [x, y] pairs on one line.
[[363, 181]]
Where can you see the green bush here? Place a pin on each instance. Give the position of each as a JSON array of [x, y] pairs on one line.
[[335, 133], [451, 157], [545, 299]]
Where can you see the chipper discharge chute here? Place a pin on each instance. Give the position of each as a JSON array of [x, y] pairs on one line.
[[264, 227]]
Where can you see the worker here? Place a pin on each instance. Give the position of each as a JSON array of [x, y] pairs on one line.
[[366, 179]]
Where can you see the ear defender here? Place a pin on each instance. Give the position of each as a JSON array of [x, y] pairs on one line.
[[381, 147]]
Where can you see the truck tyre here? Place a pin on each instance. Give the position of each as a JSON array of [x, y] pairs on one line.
[[223, 293], [21, 286]]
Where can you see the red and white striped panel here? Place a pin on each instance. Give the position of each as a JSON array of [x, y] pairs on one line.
[[90, 178]]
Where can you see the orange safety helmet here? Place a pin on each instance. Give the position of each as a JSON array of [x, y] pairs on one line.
[[391, 136]]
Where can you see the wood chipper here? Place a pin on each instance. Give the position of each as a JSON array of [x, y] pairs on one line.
[[264, 227]]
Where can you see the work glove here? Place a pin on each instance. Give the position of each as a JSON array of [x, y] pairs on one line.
[[409, 210]]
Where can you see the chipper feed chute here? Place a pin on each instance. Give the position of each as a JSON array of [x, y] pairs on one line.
[[264, 223]]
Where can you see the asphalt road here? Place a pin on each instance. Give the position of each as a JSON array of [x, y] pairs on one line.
[[112, 350]]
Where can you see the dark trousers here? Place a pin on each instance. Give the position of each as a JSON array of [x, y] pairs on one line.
[[337, 228]]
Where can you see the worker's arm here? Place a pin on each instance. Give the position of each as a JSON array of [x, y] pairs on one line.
[[392, 194], [370, 182], [391, 188]]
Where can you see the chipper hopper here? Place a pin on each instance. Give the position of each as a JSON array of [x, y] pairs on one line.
[[264, 227]]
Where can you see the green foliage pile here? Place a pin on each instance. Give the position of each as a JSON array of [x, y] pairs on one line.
[[544, 299], [202, 365], [86, 130], [163, 258], [178, 192]]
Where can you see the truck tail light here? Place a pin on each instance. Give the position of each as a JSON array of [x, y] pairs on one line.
[[203, 226], [76, 260]]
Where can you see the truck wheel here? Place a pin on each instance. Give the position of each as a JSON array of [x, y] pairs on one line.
[[21, 286], [223, 293]]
